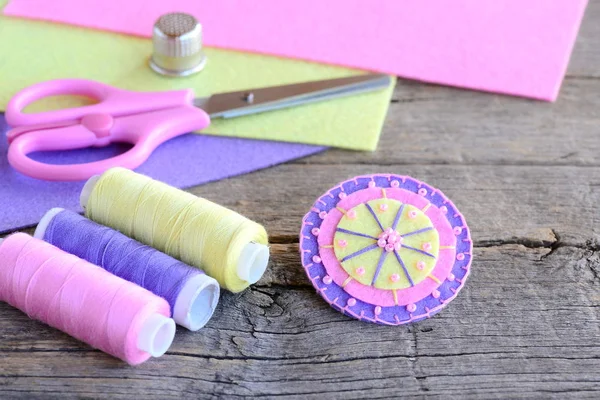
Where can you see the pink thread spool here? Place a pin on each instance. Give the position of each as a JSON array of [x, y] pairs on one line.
[[83, 300]]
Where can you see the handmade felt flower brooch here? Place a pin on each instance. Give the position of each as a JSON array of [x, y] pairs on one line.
[[386, 249]]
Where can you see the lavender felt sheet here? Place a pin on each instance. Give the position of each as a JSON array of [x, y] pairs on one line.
[[24, 200]]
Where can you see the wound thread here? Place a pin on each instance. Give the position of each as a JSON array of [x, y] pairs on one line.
[[143, 265], [191, 229], [76, 297]]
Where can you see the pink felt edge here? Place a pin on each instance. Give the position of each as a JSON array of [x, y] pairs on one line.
[[502, 47]]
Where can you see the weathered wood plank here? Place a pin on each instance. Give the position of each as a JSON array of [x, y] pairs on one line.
[[526, 175], [513, 332], [586, 55], [523, 204], [430, 124]]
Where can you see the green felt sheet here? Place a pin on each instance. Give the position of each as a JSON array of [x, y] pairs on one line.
[[33, 51]]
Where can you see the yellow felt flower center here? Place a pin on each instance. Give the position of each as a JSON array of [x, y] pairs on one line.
[[386, 244]]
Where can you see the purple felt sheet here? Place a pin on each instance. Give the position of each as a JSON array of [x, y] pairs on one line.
[[186, 161]]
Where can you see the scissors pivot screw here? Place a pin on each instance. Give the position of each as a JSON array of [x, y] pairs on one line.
[[99, 124], [249, 98]]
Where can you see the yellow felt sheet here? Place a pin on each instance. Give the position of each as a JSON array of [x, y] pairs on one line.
[[33, 51]]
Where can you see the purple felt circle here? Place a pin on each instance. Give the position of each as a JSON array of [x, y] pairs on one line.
[[422, 299]]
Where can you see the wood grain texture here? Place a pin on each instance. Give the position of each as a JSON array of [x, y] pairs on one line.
[[525, 174]]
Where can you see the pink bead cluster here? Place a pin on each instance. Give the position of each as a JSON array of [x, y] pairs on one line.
[[390, 240]]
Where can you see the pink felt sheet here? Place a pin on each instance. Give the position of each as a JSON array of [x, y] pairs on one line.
[[516, 47]]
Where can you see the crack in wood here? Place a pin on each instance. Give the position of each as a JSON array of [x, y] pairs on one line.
[[316, 160], [531, 243], [283, 239], [420, 377], [583, 77], [291, 360]]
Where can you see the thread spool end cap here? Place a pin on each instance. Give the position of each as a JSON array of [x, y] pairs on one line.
[[196, 302], [253, 262], [87, 190], [156, 335], [40, 230]]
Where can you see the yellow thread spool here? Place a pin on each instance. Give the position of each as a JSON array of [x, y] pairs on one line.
[[226, 245]]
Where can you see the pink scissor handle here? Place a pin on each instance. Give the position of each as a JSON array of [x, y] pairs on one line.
[[145, 131], [112, 101]]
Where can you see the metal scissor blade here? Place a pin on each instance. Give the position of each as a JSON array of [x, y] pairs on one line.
[[244, 102]]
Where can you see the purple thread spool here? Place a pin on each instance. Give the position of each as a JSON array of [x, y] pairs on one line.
[[192, 295]]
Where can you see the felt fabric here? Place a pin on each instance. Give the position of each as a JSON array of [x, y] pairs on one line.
[[35, 51], [185, 161], [362, 267], [508, 46], [419, 222]]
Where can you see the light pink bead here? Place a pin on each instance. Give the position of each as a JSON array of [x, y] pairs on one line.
[[351, 302], [316, 259], [342, 195], [395, 184], [390, 240], [360, 271], [460, 256], [371, 184], [435, 293], [351, 214], [315, 231], [322, 214], [422, 192], [327, 280], [457, 230], [377, 310], [395, 278], [426, 246], [451, 277], [412, 214], [342, 243], [421, 265], [411, 308], [383, 207], [444, 209]]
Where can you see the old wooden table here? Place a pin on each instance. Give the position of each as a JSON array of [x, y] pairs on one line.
[[526, 174]]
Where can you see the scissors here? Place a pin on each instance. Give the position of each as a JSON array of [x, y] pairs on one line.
[[143, 119]]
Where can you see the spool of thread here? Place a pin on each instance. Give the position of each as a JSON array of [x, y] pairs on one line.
[[83, 300], [191, 294], [229, 247]]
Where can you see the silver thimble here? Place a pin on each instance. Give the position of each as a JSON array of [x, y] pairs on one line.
[[177, 41]]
